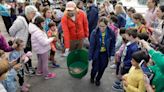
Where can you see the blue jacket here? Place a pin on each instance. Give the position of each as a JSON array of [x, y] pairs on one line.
[[121, 20], [96, 40], [129, 23], [92, 15], [4, 11], [133, 47], [47, 21]]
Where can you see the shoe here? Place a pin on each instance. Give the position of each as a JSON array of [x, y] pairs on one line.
[[97, 83], [64, 55], [50, 76], [113, 66], [55, 65], [24, 89], [27, 85], [31, 72], [27, 73], [92, 80], [117, 88], [39, 73], [118, 82]]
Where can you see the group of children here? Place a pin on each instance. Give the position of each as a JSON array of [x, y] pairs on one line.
[[115, 40], [17, 61], [42, 44]]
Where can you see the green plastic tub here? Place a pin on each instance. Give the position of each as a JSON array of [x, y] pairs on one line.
[[77, 63]]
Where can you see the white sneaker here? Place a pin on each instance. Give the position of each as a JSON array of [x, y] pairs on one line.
[[113, 66], [64, 55]]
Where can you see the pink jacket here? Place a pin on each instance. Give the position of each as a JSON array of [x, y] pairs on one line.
[[40, 41]]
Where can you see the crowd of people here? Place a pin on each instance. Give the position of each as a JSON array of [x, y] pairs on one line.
[[130, 42]]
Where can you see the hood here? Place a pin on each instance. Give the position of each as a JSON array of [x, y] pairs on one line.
[[33, 28]]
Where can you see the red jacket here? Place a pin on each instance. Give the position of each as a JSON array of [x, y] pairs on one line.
[[75, 30]]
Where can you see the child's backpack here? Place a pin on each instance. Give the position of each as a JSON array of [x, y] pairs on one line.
[[148, 29]]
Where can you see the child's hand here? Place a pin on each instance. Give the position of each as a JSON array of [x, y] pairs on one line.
[[124, 77], [55, 39], [17, 66], [14, 45], [125, 83], [146, 79], [29, 54]]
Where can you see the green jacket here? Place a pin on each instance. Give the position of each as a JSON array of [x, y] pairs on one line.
[[158, 69]]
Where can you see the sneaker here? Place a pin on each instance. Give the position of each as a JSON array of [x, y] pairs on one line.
[[65, 54], [27, 85], [113, 66], [38, 73], [24, 89], [31, 72], [92, 80], [117, 88], [27, 73], [55, 65], [97, 83], [50, 76], [118, 82]]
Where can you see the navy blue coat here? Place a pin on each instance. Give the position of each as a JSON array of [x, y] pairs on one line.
[[96, 41], [133, 47], [92, 15], [121, 20]]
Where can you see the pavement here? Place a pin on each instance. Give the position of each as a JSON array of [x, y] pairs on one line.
[[64, 82]]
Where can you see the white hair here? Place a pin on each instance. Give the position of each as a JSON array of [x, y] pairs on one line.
[[29, 9]]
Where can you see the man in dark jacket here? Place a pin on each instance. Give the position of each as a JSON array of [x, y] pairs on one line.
[[92, 15]]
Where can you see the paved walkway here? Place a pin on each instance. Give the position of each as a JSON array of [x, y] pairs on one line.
[[64, 82]]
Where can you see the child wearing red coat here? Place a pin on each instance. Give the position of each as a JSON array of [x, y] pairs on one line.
[[52, 32]]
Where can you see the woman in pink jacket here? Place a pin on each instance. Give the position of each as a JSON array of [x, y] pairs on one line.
[[41, 45]]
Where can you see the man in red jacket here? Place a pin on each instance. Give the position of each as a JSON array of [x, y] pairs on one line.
[[75, 27]]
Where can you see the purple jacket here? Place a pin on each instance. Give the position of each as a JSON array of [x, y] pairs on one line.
[[4, 45]]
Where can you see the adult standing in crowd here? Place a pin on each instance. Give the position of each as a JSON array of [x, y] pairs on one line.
[[75, 27], [108, 7], [4, 12], [102, 49], [150, 15], [121, 15], [92, 15], [20, 30], [157, 84], [158, 33]]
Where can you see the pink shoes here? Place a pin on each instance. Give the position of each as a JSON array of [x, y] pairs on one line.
[[50, 76], [25, 87], [38, 73]]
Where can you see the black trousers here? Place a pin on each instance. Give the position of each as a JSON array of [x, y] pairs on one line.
[[117, 68], [21, 77], [7, 22], [99, 66], [29, 63]]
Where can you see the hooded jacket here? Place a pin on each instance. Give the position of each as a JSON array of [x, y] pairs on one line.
[[40, 41]]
